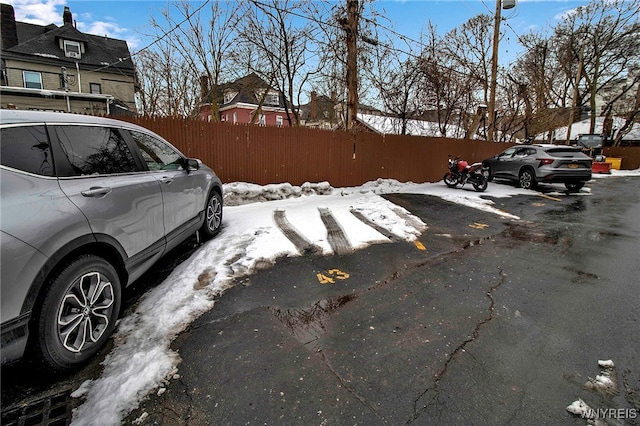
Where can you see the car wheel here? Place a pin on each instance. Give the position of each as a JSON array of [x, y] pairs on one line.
[[450, 180], [480, 185], [574, 186], [527, 179], [78, 312], [213, 215]]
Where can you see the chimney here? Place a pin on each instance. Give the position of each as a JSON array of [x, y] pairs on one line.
[[9, 33], [313, 114], [67, 17], [204, 88]]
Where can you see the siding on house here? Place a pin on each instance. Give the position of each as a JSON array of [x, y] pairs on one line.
[[102, 61]]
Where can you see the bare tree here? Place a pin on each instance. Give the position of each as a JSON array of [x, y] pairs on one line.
[[166, 84], [543, 77], [151, 82], [607, 34], [190, 42], [208, 42], [469, 47], [276, 47]]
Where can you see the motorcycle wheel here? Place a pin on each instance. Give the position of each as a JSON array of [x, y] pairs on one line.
[[480, 183], [450, 180]]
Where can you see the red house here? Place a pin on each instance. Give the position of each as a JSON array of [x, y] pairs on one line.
[[241, 100]]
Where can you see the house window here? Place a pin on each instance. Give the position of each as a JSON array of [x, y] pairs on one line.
[[72, 49], [279, 120], [95, 88], [273, 99], [235, 117], [262, 120], [228, 97], [32, 80]]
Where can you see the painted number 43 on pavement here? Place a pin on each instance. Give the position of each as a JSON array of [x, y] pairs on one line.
[[331, 276]]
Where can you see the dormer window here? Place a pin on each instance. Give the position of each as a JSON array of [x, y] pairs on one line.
[[272, 99], [72, 49], [228, 96]]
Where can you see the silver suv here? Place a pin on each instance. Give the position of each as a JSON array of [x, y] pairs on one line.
[[541, 163], [88, 205]]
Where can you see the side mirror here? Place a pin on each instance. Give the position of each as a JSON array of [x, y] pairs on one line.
[[191, 164]]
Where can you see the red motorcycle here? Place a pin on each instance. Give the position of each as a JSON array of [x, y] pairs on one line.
[[460, 172]]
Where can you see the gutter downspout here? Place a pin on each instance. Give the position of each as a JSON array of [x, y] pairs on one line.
[[79, 82]]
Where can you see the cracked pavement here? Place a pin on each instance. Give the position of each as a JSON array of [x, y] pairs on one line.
[[490, 324], [487, 321]]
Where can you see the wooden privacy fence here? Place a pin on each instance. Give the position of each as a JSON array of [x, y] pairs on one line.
[[630, 156], [264, 155]]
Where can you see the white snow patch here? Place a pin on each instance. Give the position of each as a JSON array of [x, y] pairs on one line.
[[579, 408], [606, 364]]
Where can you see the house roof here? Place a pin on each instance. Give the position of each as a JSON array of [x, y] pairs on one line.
[[393, 125], [41, 44], [325, 109], [246, 89], [583, 127]]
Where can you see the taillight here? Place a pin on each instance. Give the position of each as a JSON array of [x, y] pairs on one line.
[[544, 161]]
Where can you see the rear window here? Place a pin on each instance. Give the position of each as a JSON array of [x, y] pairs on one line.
[[569, 150], [93, 150], [565, 152], [26, 148]]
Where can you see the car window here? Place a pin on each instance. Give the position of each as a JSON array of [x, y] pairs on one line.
[[566, 152], [508, 153], [157, 154], [521, 152], [95, 150], [27, 149]]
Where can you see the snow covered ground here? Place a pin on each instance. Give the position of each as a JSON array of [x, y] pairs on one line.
[[142, 360]]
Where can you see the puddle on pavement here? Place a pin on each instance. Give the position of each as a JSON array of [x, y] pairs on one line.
[[571, 208], [582, 276], [307, 325], [532, 233]]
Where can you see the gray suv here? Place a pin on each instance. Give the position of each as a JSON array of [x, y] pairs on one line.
[[88, 205], [541, 163]]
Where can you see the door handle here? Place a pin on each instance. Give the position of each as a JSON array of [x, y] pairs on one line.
[[96, 191], [166, 180]]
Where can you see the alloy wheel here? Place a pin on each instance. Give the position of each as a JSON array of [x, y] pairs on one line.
[[85, 311]]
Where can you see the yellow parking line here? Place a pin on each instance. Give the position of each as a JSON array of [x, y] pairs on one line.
[[478, 225], [549, 197]]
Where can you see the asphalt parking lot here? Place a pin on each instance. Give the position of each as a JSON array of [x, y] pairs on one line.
[[485, 321]]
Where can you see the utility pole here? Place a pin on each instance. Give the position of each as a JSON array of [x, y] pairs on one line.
[[508, 4], [351, 29], [576, 94]]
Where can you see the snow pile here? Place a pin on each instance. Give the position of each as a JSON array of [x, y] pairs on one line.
[[580, 408], [605, 383], [239, 193]]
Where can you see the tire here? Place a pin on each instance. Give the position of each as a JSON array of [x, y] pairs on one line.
[[480, 184], [78, 313], [213, 216], [527, 179], [450, 180], [574, 186]]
